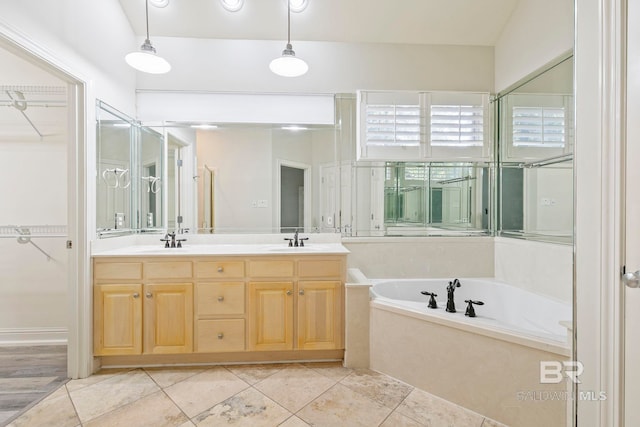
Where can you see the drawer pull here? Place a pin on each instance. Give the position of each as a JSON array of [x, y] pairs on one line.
[[220, 269], [149, 295], [301, 292], [220, 335], [289, 292], [136, 295], [220, 299]]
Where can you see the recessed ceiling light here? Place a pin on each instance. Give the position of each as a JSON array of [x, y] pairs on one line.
[[298, 5], [159, 3], [294, 128], [204, 126], [232, 5]]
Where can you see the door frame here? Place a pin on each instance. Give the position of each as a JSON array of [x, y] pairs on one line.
[[600, 89], [79, 335], [307, 192]]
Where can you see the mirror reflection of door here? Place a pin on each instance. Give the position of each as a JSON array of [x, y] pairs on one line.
[[291, 199]]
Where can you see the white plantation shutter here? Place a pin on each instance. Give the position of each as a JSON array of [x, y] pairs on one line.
[[539, 127], [419, 125], [457, 125], [392, 125]]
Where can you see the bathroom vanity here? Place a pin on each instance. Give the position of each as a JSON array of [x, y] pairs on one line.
[[219, 303]]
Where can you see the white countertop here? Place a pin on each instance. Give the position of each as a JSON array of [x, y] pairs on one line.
[[224, 249]]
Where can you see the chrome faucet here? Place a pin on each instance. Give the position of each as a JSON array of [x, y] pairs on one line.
[[451, 306]]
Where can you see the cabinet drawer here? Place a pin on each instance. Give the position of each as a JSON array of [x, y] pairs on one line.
[[220, 298], [271, 268], [117, 270], [320, 268], [220, 335], [219, 269], [168, 270]]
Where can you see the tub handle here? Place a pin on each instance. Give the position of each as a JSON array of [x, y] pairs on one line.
[[432, 300], [471, 312]]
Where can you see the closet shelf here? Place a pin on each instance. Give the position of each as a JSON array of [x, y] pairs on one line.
[[22, 231]]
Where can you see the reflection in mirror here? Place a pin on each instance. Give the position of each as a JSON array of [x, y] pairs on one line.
[[535, 123], [129, 175], [150, 184], [266, 178], [398, 198], [114, 190]]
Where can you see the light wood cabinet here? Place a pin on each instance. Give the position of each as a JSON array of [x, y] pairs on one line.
[[117, 319], [319, 315], [289, 305], [168, 318], [271, 314], [119, 325]]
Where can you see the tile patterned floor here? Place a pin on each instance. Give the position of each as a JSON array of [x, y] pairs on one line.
[[287, 395]]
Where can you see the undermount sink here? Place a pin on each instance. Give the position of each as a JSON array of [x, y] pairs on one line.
[[295, 249]]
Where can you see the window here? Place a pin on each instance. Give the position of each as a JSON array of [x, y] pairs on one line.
[[457, 125], [410, 126], [393, 125], [539, 127], [389, 125]]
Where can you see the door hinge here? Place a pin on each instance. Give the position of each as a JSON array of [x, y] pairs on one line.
[[179, 163], [69, 244]]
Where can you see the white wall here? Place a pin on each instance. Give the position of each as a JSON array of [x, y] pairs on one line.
[[243, 65], [549, 200], [538, 32], [543, 268], [89, 38], [240, 178], [33, 291]]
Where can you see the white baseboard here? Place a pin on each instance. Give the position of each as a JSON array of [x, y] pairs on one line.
[[32, 336]]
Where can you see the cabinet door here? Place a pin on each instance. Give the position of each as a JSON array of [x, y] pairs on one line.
[[319, 315], [168, 318], [117, 319], [271, 316]]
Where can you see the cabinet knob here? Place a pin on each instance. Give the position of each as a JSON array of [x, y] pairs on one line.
[[220, 299], [220, 335], [220, 269], [136, 295], [301, 292], [289, 292], [149, 295]]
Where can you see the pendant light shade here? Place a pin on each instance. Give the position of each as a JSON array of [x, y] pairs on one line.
[[288, 65], [146, 59]]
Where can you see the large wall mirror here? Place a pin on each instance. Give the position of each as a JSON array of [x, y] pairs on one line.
[[266, 178], [535, 129], [129, 177]]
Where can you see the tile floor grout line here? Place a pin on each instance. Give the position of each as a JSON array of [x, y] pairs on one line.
[[73, 405]]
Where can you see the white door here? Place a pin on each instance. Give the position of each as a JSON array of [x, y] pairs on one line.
[[632, 232]]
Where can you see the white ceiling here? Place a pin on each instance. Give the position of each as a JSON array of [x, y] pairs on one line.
[[454, 22]]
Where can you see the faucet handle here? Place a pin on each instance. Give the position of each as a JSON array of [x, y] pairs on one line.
[[471, 312], [290, 241], [179, 242], [302, 239], [432, 300]]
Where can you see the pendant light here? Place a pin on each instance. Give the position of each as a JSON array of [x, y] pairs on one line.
[[288, 65], [146, 59]]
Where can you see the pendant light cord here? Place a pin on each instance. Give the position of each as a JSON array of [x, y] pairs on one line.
[[147, 15], [288, 22]]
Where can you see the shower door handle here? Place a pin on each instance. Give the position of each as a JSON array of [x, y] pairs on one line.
[[632, 280]]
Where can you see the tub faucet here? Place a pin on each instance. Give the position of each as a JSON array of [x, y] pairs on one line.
[[451, 306]]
